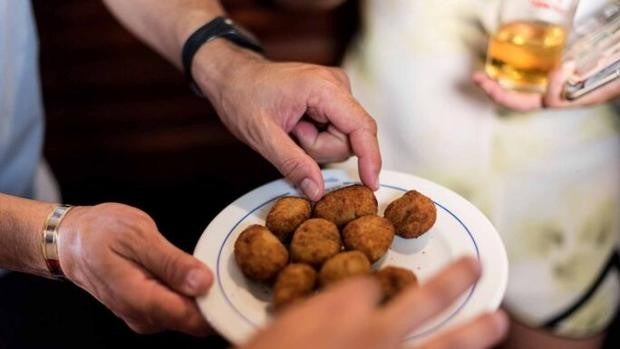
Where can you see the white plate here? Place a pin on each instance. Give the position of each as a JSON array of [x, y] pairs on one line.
[[237, 307]]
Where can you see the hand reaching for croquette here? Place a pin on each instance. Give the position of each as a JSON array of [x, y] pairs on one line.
[[348, 316]]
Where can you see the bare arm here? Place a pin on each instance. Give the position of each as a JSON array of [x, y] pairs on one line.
[[21, 222], [265, 104], [110, 250], [164, 25], [319, 323]]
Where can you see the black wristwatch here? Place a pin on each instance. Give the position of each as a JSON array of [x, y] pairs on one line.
[[220, 27]]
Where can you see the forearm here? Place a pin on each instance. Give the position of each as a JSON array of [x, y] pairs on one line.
[[165, 25], [21, 222], [264, 103]]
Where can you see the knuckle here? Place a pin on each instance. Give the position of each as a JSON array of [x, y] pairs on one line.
[[144, 224], [125, 311], [120, 218], [122, 210], [338, 71], [293, 168], [329, 78], [371, 125], [172, 266], [341, 75], [142, 313], [324, 73], [435, 298], [112, 207]]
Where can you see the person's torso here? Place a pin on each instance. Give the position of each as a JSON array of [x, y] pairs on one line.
[[21, 114], [536, 175], [412, 67]]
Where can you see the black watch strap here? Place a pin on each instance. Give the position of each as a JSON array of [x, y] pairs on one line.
[[220, 27]]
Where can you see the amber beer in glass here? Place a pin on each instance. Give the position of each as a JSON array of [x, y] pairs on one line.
[[529, 42]]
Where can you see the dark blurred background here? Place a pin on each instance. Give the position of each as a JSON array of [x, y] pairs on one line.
[[123, 126]]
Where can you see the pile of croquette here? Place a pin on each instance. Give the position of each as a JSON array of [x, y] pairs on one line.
[[303, 248]]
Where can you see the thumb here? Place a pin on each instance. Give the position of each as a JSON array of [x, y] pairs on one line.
[[292, 161], [554, 97], [175, 268]]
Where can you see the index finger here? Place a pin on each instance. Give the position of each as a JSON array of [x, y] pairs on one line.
[[482, 332], [350, 118], [416, 305]]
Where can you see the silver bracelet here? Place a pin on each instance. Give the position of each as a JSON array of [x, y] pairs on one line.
[[49, 239]]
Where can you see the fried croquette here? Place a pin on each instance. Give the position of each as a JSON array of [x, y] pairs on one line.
[[345, 204], [342, 266], [371, 234], [393, 280], [413, 214], [259, 253], [294, 283], [286, 215], [314, 241]]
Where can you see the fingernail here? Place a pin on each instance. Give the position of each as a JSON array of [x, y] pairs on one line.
[[376, 184], [310, 189], [373, 184], [197, 281]]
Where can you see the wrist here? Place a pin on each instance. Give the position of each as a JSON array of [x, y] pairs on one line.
[[49, 239], [68, 240], [217, 63], [194, 18]]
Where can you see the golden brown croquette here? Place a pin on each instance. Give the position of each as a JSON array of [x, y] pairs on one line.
[[342, 266], [314, 241], [393, 280], [413, 214], [294, 283], [345, 204], [259, 253], [286, 215], [371, 234]]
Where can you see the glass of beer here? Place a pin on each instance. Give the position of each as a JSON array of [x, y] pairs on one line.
[[529, 42]]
